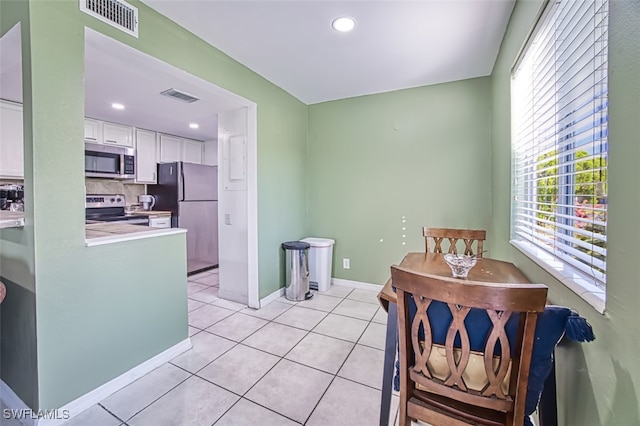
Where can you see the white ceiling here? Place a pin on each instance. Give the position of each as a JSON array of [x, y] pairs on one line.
[[115, 72], [396, 44]]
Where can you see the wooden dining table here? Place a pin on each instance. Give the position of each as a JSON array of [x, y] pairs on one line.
[[485, 270]]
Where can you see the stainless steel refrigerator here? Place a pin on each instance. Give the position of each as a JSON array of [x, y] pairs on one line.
[[190, 192]]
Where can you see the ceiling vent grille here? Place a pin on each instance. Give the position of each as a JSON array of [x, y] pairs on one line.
[[117, 13], [181, 96]]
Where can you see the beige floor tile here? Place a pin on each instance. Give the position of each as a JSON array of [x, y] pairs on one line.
[[356, 309], [364, 296], [194, 287], [364, 365], [374, 336], [380, 317], [337, 291], [196, 277], [283, 299], [321, 352], [192, 305], [207, 295], [347, 404], [206, 348], [275, 338], [239, 369], [95, 415], [246, 413], [301, 318], [342, 327], [229, 304], [320, 303], [211, 279], [207, 315], [290, 389], [135, 397], [193, 331], [237, 327], [269, 311], [194, 402]]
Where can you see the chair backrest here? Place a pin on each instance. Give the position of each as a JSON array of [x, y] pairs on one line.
[[468, 236], [466, 341]]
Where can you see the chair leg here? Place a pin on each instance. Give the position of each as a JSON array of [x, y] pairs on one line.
[[403, 419]]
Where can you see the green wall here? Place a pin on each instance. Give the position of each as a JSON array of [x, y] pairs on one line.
[[598, 382], [383, 166], [92, 327]]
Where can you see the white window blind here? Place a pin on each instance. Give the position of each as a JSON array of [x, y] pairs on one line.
[[559, 137]]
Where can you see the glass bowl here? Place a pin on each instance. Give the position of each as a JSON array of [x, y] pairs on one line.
[[460, 264]]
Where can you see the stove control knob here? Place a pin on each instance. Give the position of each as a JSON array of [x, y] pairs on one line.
[[118, 199], [112, 200]]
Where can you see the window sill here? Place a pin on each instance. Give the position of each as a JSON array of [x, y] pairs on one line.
[[575, 281]]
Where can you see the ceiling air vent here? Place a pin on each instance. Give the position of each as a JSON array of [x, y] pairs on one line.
[[117, 13], [181, 96]]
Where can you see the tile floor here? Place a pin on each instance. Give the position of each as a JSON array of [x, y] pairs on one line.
[[317, 363]]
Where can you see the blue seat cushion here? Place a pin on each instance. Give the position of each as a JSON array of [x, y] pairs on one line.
[[550, 327]]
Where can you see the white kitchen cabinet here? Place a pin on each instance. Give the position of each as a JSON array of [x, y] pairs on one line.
[[192, 151], [160, 222], [210, 157], [92, 131], [11, 141], [116, 134], [146, 156], [170, 149]]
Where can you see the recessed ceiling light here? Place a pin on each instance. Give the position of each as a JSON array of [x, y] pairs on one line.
[[343, 24], [117, 106], [194, 125]]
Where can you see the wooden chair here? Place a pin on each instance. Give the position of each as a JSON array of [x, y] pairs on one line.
[[468, 236], [465, 348]]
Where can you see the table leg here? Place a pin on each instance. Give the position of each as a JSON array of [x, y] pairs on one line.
[[548, 409], [389, 359]]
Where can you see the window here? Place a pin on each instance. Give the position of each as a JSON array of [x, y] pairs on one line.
[[559, 140]]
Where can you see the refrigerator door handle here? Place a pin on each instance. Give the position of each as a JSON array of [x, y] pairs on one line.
[[180, 176]]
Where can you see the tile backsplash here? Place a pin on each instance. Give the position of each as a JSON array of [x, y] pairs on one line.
[[109, 186]]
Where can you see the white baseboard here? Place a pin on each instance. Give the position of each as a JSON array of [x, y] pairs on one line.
[[13, 402], [89, 399], [273, 296], [356, 284]]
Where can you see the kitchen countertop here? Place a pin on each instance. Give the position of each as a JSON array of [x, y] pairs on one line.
[[11, 219], [114, 232]]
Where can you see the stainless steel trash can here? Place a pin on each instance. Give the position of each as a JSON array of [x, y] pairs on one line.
[[296, 270]]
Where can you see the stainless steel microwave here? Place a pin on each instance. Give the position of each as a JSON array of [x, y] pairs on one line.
[[106, 161]]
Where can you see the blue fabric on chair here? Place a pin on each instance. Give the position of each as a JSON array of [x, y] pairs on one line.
[[551, 325]]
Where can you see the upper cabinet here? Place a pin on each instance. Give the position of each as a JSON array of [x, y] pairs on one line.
[[96, 131], [11, 141], [116, 134], [92, 131], [210, 153], [170, 149], [173, 148], [192, 151], [146, 156]]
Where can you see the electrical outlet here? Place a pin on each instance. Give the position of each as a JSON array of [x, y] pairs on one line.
[[227, 218], [346, 264]]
